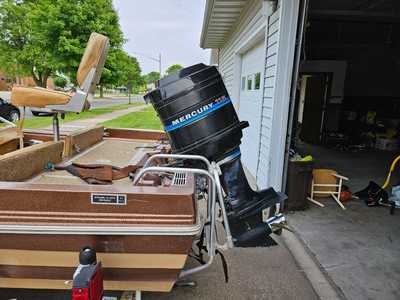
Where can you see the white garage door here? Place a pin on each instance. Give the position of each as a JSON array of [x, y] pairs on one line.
[[251, 94]]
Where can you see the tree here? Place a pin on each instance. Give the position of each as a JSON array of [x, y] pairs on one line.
[[131, 72], [120, 70], [174, 68], [60, 82], [42, 37], [151, 77]]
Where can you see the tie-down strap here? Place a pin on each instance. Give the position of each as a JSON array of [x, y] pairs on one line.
[[98, 173]]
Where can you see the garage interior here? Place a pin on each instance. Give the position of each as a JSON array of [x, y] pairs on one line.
[[349, 93], [347, 117]]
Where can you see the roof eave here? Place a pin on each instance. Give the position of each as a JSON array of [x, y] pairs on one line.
[[219, 18], [206, 20]]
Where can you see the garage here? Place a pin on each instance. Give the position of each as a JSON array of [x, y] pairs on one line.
[[347, 108], [330, 92], [250, 105], [346, 115]]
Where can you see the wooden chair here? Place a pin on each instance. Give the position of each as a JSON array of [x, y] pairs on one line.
[[326, 182]]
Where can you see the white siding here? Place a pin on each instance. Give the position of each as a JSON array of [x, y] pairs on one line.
[[272, 40], [280, 45], [278, 31]]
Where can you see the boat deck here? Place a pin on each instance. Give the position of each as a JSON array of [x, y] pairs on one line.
[[115, 152]]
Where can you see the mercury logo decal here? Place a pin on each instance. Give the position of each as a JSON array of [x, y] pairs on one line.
[[192, 114], [197, 114]]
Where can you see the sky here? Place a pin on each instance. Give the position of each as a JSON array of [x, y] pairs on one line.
[[169, 27]]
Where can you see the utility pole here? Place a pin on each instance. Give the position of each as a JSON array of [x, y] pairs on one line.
[[159, 63]]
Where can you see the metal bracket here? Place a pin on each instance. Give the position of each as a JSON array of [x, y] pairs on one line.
[[56, 127], [77, 102]]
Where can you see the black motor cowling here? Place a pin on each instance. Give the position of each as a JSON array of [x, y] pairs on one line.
[[197, 113], [199, 118]]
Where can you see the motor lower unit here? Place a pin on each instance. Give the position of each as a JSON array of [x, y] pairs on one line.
[[199, 118]]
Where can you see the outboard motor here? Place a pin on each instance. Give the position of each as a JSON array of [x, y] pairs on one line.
[[199, 118]]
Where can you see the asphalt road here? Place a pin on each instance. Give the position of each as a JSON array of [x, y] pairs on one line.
[[97, 103]]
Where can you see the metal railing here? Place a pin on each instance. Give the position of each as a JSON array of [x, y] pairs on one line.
[[215, 192], [211, 236], [214, 171]]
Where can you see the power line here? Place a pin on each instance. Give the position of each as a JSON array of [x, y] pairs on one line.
[[151, 58]]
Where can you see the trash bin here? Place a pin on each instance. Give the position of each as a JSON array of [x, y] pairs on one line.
[[298, 184]]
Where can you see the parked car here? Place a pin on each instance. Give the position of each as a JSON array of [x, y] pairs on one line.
[[9, 111], [36, 111]]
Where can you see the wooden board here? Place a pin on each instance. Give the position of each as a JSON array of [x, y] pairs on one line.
[[25, 163], [135, 134], [9, 146], [79, 141], [9, 133]]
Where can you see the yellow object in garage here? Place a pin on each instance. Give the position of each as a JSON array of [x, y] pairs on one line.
[[392, 167]]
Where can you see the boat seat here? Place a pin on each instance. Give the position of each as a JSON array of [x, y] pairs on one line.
[[88, 76], [24, 163], [38, 97]]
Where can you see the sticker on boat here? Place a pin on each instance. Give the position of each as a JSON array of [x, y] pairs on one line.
[[110, 199]]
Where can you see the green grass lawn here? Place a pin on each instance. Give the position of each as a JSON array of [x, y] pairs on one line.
[[145, 119], [39, 122]]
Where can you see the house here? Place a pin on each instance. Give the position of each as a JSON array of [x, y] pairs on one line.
[[320, 77], [253, 44], [6, 81], [309, 69]]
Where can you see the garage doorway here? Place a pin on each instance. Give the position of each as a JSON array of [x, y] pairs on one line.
[[251, 93], [350, 123]]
